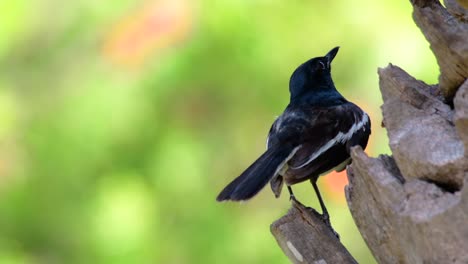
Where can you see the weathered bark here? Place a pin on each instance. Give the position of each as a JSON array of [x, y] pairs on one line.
[[411, 207], [461, 114], [458, 10], [406, 220], [447, 36], [423, 139], [305, 238]]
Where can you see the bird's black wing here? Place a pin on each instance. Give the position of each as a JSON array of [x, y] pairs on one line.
[[317, 131], [320, 126], [297, 138], [332, 126]]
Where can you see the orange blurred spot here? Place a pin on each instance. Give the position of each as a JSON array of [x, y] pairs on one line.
[[157, 25], [334, 183]]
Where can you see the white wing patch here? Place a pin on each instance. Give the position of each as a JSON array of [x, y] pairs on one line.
[[340, 138], [285, 161]]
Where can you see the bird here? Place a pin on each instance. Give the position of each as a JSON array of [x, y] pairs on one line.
[[312, 136]]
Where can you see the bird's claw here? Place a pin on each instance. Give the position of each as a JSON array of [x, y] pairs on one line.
[[292, 198], [326, 220]]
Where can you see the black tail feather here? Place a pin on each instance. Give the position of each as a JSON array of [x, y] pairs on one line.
[[255, 177]]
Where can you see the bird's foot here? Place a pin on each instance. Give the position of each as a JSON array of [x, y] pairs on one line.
[[292, 198], [326, 220]]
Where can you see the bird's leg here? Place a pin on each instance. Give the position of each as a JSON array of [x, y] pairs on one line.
[[322, 204], [291, 194], [325, 215]]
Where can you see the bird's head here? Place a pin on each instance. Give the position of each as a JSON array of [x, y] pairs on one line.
[[313, 75]]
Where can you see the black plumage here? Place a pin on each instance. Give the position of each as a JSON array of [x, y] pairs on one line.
[[312, 136]]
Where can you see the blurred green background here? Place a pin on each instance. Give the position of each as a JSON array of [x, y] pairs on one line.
[[120, 121]]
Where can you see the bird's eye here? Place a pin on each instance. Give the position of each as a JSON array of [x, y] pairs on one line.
[[322, 65]]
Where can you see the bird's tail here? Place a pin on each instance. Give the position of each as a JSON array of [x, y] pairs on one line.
[[255, 177]]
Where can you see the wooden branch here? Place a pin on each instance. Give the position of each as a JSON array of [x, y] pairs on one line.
[[305, 238], [461, 114], [423, 139], [413, 207], [447, 36], [406, 221], [458, 9]]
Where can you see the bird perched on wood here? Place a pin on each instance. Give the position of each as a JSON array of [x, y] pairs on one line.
[[312, 136]]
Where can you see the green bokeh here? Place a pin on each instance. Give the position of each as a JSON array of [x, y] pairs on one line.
[[104, 162]]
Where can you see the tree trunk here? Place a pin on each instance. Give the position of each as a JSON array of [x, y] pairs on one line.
[[412, 207]]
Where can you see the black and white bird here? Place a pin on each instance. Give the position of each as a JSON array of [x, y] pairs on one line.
[[312, 136]]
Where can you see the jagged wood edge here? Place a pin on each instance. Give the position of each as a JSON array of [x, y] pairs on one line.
[[305, 238], [420, 127], [446, 34], [435, 22], [406, 221]]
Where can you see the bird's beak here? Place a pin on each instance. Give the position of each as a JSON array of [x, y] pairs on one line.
[[331, 54]]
